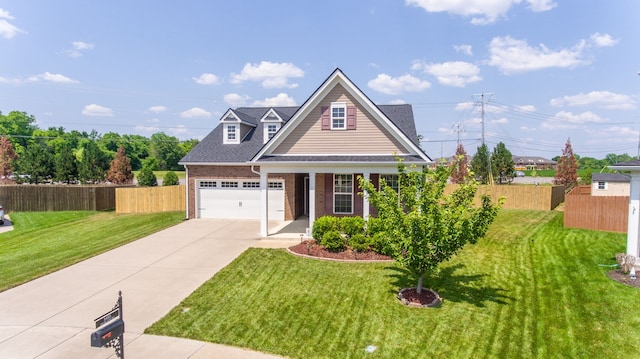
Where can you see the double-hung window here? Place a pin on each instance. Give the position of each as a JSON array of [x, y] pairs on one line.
[[271, 130], [343, 193], [338, 116], [231, 134], [391, 181]]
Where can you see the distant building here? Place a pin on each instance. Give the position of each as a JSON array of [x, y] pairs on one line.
[[610, 184], [523, 163]]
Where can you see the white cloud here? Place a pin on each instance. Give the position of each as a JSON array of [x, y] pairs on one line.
[[456, 73], [603, 40], [47, 76], [97, 110], [482, 12], [601, 99], [398, 102], [500, 121], [527, 129], [270, 74], [465, 49], [526, 108], [195, 112], [178, 130], [207, 79], [565, 119], [147, 129], [156, 109], [541, 5], [396, 85], [235, 100], [7, 30], [516, 56], [78, 47], [282, 99]]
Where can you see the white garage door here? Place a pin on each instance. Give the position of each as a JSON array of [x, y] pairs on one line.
[[238, 199]]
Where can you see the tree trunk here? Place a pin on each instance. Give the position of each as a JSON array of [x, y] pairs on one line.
[[419, 288]]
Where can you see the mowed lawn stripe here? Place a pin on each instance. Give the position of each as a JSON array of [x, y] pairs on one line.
[[530, 289], [43, 242]]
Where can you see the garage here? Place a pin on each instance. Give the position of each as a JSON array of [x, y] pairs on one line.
[[238, 199]]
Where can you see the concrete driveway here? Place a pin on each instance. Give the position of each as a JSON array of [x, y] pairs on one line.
[[52, 317]]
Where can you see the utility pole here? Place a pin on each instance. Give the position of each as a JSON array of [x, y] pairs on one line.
[[459, 128], [489, 97]]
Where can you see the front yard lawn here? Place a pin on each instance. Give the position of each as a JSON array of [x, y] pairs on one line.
[[43, 242], [530, 289]]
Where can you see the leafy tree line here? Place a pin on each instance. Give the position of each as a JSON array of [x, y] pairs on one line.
[[30, 154]]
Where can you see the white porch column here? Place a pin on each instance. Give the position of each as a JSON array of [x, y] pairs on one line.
[[633, 229], [312, 199], [264, 204], [365, 198]]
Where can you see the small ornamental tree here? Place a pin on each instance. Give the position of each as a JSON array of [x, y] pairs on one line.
[[502, 161], [146, 177], [7, 157], [120, 168], [170, 179], [567, 172], [480, 164], [424, 226], [460, 169]]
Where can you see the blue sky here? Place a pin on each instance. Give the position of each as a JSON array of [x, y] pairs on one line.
[[550, 70]]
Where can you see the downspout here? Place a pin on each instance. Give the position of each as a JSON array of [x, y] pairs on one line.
[[254, 171], [186, 169]]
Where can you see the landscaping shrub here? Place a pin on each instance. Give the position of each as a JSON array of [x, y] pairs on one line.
[[373, 226], [359, 243], [170, 179], [382, 244], [352, 226], [323, 225], [333, 241]]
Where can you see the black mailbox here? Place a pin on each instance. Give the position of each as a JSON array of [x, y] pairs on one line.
[[106, 333]]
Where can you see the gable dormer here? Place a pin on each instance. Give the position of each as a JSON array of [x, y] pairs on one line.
[[271, 124], [234, 129]]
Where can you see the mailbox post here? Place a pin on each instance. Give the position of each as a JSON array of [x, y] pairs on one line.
[[110, 329]]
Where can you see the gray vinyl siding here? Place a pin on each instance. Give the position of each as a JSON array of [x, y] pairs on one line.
[[369, 137]]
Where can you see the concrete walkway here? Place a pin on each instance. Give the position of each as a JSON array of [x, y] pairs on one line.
[[52, 317]]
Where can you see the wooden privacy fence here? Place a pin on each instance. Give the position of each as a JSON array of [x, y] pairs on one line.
[[601, 213], [150, 199], [542, 198], [35, 198]]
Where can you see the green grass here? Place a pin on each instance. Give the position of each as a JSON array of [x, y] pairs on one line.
[[43, 242], [530, 289]]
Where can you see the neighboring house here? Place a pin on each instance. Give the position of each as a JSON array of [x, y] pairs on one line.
[[610, 184], [633, 231], [523, 163], [282, 163]]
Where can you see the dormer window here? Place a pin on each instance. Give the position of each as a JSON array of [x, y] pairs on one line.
[[231, 134], [271, 130], [272, 123]]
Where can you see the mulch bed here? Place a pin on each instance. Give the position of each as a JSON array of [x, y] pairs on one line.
[[310, 248], [619, 276], [408, 296]]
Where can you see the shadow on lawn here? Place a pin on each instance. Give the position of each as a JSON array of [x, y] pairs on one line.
[[452, 287]]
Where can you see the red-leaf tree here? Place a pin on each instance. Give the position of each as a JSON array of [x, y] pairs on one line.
[[7, 156], [567, 171], [120, 169], [460, 169]]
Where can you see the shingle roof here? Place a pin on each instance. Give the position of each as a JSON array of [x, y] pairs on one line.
[[212, 149], [610, 177]]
